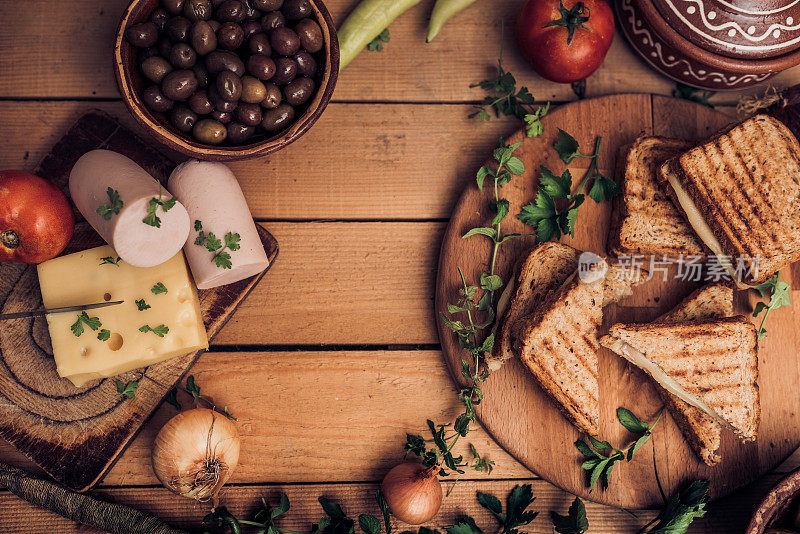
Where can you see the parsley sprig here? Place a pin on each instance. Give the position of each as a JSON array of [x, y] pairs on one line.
[[599, 465], [682, 507], [778, 294], [693, 94], [197, 398], [84, 319], [575, 522], [516, 514], [127, 389], [376, 45], [159, 287], [112, 207], [110, 260], [212, 243], [141, 305], [555, 210], [152, 206], [160, 330]]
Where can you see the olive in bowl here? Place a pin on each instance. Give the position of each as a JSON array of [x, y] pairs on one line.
[[226, 79]]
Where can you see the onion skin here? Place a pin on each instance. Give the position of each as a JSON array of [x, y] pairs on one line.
[[413, 492], [195, 453]]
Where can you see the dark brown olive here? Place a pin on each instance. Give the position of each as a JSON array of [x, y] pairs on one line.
[[142, 35], [173, 6], [272, 20], [179, 84], [238, 133], [164, 47], [261, 66], [145, 53], [231, 11], [216, 3], [201, 74], [203, 38], [306, 64], [159, 17], [310, 35], [210, 132], [259, 44], [222, 116], [230, 35], [277, 119], [268, 5], [220, 60], [297, 9], [178, 29], [284, 41], [215, 24], [248, 114], [155, 99], [200, 104], [299, 91], [250, 10], [195, 10], [183, 118], [229, 86], [182, 56], [220, 104], [285, 70], [253, 91], [250, 28], [155, 68], [273, 96]]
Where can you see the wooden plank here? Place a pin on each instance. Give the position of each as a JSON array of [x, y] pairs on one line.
[[728, 515], [63, 49]]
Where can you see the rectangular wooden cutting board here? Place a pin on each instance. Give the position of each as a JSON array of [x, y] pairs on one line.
[[76, 434]]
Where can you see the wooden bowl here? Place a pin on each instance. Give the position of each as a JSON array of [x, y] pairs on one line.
[[775, 504], [131, 84]]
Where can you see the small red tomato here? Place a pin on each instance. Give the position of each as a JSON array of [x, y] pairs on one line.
[[36, 219], [565, 43]]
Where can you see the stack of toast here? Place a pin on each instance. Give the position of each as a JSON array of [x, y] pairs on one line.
[[736, 198]]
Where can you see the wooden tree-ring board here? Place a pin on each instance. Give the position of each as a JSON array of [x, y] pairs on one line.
[[518, 414], [76, 434]]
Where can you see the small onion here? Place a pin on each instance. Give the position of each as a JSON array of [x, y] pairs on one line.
[[413, 492], [195, 453]]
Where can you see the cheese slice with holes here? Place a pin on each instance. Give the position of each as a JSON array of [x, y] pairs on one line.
[[84, 278]]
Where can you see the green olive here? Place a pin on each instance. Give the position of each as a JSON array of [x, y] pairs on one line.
[[253, 90], [203, 38], [277, 119], [155, 68], [210, 132]]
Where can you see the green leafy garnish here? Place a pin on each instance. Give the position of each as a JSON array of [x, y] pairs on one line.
[[778, 294], [681, 509], [84, 319], [197, 398], [110, 260], [479, 463], [212, 243], [575, 522], [158, 288], [693, 94], [533, 121], [141, 305], [599, 465], [172, 398], [376, 45], [152, 219], [103, 335], [160, 330], [113, 206], [127, 389], [441, 454], [265, 515]]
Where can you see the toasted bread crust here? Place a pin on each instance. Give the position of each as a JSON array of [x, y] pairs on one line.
[[644, 219], [746, 184]]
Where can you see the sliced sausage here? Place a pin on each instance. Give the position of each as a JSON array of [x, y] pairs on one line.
[[114, 194], [216, 205]]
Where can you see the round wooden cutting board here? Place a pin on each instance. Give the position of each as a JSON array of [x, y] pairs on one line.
[[521, 418]]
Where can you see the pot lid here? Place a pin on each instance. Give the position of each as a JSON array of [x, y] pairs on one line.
[[736, 28]]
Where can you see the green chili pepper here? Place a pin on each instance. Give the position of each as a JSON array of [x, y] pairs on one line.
[[366, 21], [443, 11]]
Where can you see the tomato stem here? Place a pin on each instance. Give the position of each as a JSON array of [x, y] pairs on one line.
[[571, 19], [9, 239]]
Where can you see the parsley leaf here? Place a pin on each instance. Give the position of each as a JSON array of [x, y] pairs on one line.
[[151, 218], [158, 288], [369, 524], [212, 243], [127, 389], [575, 522], [533, 121], [778, 294], [692, 94], [517, 502], [110, 260], [113, 206], [104, 335], [160, 330], [682, 508], [604, 188], [141, 305], [376, 45], [172, 399], [567, 147], [84, 319]]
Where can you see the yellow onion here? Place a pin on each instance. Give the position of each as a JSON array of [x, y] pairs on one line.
[[195, 453], [413, 492]]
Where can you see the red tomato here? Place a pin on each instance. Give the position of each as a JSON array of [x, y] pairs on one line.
[[565, 41], [36, 219]]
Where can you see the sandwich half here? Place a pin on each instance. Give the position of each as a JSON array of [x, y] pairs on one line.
[[558, 342], [709, 364], [541, 272], [644, 220], [740, 191]]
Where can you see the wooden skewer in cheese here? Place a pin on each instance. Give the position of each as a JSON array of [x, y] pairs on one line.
[[217, 206], [117, 197]]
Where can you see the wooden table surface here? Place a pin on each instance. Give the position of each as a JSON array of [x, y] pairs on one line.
[[334, 357]]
